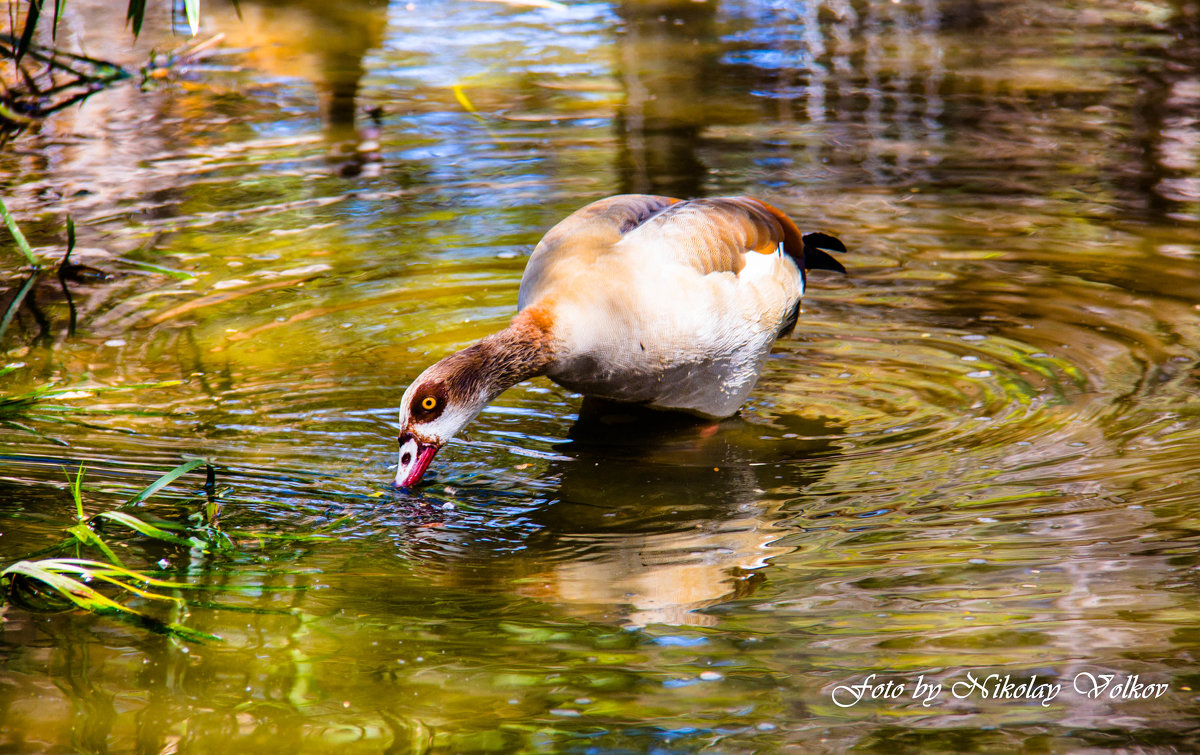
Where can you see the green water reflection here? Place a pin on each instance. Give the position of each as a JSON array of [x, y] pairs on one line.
[[977, 455]]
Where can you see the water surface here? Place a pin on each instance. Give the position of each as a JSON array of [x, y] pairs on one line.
[[977, 455]]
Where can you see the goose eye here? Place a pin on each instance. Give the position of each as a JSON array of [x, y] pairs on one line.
[[428, 404]]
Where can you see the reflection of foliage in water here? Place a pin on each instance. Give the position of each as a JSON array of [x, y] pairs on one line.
[[64, 78], [61, 80]]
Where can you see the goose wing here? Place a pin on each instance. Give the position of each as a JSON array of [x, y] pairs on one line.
[[709, 235], [583, 237], [715, 235]]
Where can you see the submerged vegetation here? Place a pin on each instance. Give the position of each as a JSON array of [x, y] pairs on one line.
[[83, 571], [40, 583], [47, 81], [18, 237]]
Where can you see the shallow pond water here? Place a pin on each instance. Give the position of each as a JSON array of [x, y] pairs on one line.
[[978, 455]]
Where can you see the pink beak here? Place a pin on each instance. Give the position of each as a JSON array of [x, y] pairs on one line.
[[415, 457]]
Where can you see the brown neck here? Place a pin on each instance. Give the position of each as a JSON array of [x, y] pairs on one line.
[[522, 350]]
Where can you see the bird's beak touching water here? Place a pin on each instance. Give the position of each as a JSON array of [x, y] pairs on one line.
[[414, 459]]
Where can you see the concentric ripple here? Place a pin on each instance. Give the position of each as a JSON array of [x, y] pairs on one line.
[[891, 387]]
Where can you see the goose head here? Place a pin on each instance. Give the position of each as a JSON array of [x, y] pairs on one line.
[[448, 395], [435, 408]]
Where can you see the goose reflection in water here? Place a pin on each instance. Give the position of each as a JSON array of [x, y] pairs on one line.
[[654, 517]]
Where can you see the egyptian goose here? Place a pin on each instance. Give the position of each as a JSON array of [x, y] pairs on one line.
[[635, 298]]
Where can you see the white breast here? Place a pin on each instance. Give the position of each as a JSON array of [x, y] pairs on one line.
[[670, 336]]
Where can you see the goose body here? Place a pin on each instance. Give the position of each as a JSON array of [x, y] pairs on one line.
[[635, 298]]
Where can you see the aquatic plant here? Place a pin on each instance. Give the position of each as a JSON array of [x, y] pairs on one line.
[[50, 402], [56, 583], [18, 237], [49, 80]]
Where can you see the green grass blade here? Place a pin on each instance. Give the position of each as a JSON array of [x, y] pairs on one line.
[[73, 590], [103, 572], [85, 535], [31, 22], [58, 5], [70, 244], [164, 481], [77, 494], [177, 274], [135, 590], [19, 237], [31, 431], [283, 536], [16, 302], [193, 15], [91, 600], [136, 14], [212, 506], [83, 565], [149, 530]]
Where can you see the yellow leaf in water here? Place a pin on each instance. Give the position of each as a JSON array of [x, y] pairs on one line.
[[461, 96]]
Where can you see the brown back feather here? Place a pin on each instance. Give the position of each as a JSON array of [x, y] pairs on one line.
[[711, 235]]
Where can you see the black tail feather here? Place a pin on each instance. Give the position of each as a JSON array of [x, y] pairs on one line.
[[815, 258]]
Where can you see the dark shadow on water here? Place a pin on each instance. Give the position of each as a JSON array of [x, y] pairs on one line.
[[666, 62], [1158, 174], [665, 469]]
